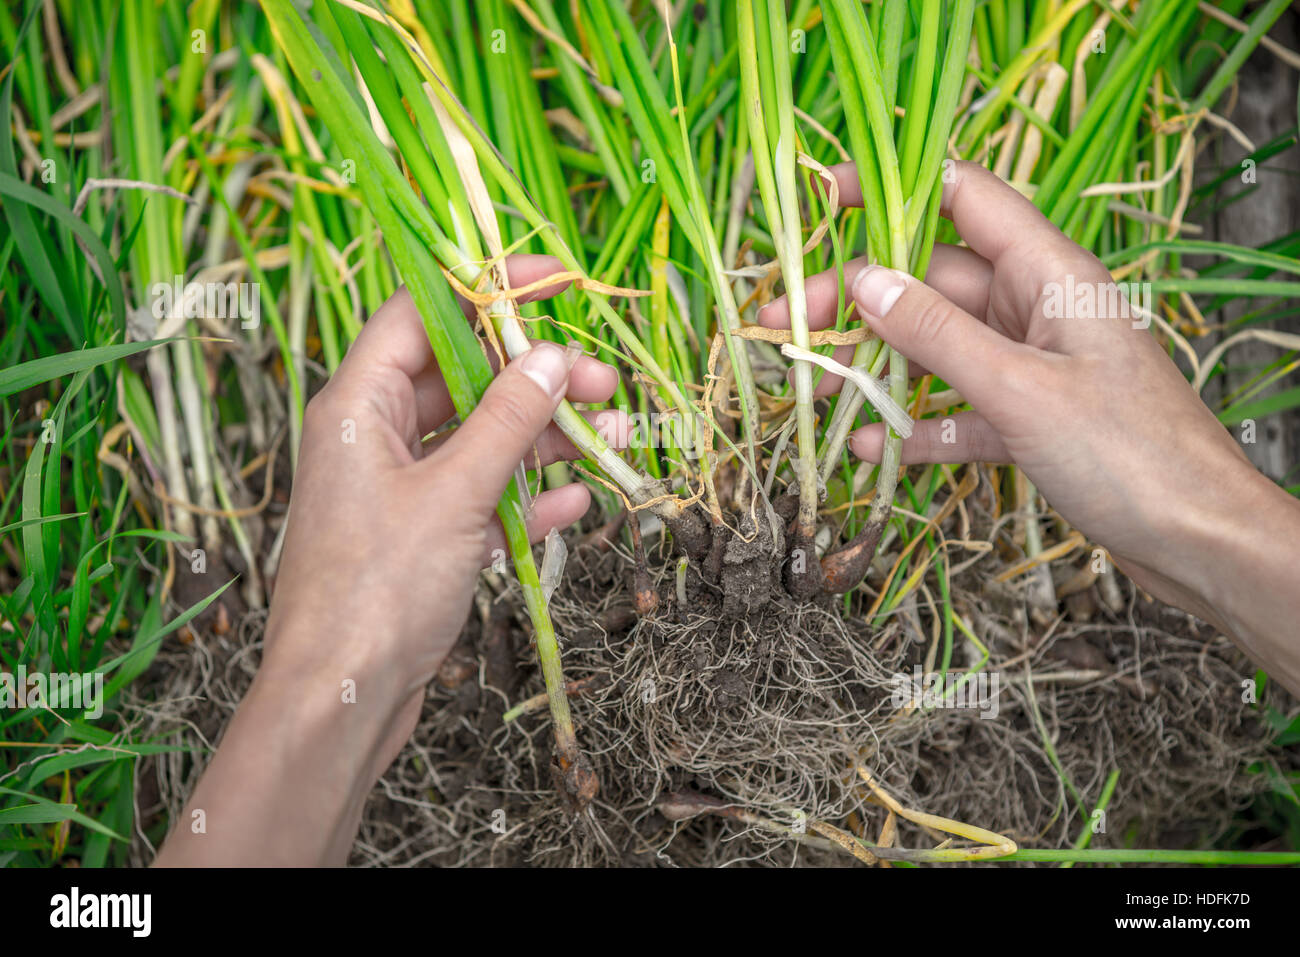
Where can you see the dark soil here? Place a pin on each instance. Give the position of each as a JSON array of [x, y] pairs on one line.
[[746, 700]]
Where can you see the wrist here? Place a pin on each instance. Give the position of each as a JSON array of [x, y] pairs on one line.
[[316, 729], [285, 788], [320, 699], [344, 693], [1238, 547], [335, 661]]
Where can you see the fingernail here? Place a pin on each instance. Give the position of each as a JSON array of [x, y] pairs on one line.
[[877, 288], [949, 187], [547, 365], [853, 444], [860, 444]]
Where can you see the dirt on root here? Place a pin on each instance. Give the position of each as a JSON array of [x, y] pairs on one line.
[[765, 712]]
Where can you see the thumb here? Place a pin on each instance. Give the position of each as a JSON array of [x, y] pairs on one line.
[[924, 326], [506, 424]]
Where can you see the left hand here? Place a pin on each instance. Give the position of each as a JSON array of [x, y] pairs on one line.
[[386, 537]]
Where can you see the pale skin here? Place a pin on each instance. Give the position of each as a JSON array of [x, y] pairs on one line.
[[386, 536], [1093, 410], [378, 572]]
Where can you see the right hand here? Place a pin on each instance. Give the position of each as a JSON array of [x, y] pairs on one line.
[[1092, 409]]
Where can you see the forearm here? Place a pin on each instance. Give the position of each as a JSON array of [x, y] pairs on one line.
[[1260, 598], [1245, 557], [289, 780]]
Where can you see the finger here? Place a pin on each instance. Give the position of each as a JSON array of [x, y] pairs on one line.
[[962, 276], [394, 340], [846, 178], [962, 437], [554, 508], [590, 380], [990, 215], [993, 217], [394, 336], [822, 293], [830, 383], [554, 446], [923, 325], [956, 273], [500, 432], [523, 269], [613, 425]]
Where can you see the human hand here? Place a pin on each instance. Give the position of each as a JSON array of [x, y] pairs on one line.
[[386, 537], [1089, 407]]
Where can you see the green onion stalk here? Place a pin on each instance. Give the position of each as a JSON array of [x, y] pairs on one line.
[[440, 118], [667, 142], [767, 101], [901, 188]]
